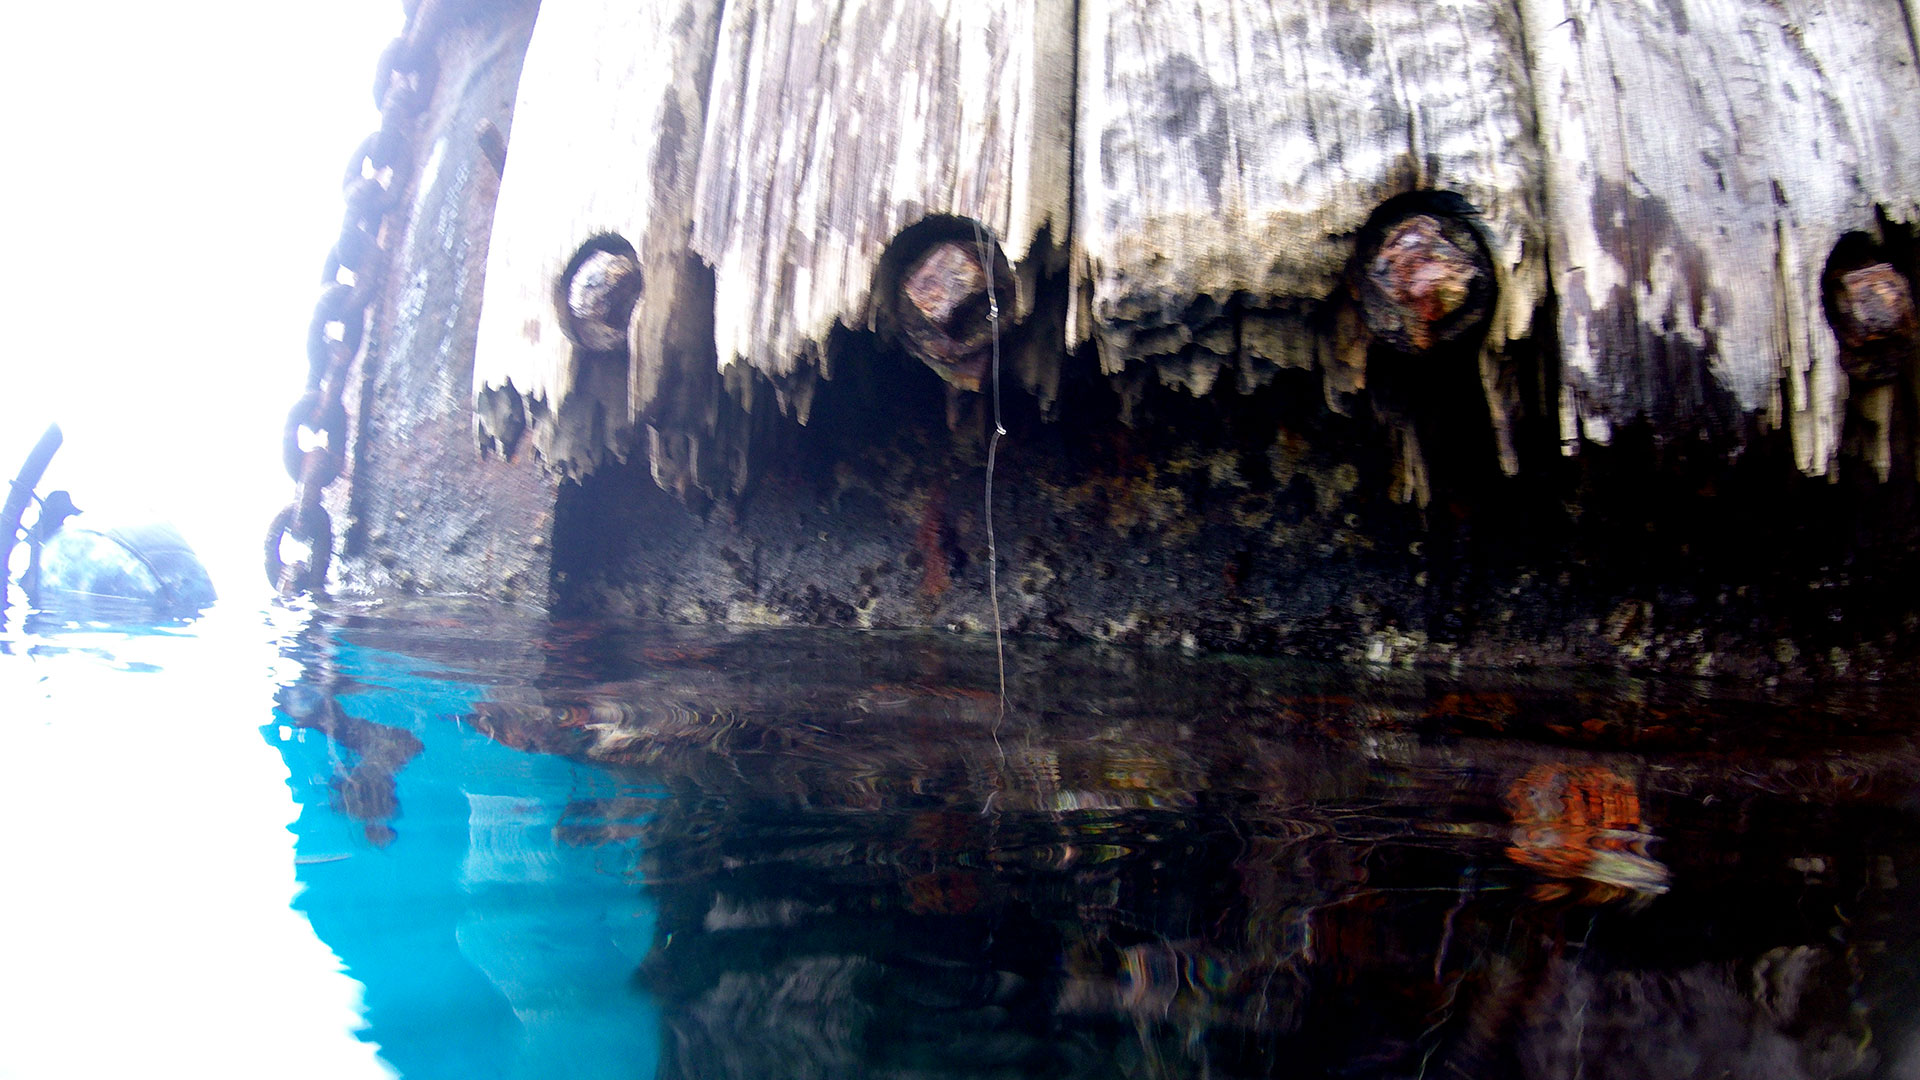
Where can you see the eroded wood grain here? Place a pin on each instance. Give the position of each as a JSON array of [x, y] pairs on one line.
[[1705, 156], [1684, 167], [605, 142], [1230, 152], [834, 127]]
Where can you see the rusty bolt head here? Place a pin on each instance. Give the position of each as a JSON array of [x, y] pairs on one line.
[[600, 297], [947, 281], [1871, 308], [945, 313], [1874, 303], [1427, 281]]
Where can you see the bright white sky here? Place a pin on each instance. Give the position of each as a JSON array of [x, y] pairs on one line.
[[145, 917], [171, 186]]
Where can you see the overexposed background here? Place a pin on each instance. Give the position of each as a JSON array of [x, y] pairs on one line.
[[171, 190], [171, 187]]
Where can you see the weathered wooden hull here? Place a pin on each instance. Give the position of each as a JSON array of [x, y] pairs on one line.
[[1476, 329]]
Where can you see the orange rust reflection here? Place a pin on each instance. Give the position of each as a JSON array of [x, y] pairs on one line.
[[1582, 823]]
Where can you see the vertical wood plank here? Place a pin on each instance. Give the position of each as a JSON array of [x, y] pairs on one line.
[[1230, 151], [835, 126], [606, 136], [1704, 156]]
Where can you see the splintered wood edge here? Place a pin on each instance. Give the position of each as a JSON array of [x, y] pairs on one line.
[[994, 113]]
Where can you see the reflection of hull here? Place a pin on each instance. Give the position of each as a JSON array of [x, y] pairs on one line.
[[815, 942], [908, 720], [428, 861], [1582, 823], [856, 866], [1696, 1021], [1207, 869]]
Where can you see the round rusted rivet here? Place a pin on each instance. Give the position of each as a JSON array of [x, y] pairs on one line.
[[946, 310], [1426, 280], [1871, 309]]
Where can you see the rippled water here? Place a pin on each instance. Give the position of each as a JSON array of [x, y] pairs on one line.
[[448, 841]]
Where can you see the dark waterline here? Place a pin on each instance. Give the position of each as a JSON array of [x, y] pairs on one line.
[[590, 850]]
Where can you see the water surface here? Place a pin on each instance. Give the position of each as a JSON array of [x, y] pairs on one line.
[[594, 850]]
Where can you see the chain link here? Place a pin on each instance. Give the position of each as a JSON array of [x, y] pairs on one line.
[[314, 445]]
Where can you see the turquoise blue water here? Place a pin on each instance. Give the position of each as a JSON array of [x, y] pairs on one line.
[[486, 948], [458, 841]]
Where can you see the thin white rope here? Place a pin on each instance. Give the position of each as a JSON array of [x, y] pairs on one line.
[[990, 264]]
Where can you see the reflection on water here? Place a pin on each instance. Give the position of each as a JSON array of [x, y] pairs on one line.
[[486, 949], [578, 850], [599, 851], [145, 865]]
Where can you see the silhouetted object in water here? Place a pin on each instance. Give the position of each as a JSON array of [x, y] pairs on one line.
[[148, 563], [136, 568], [20, 495]]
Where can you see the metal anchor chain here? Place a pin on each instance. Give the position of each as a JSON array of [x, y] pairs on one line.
[[377, 177]]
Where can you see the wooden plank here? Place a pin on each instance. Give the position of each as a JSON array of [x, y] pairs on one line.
[[834, 127], [605, 142], [1229, 153], [1705, 155]]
